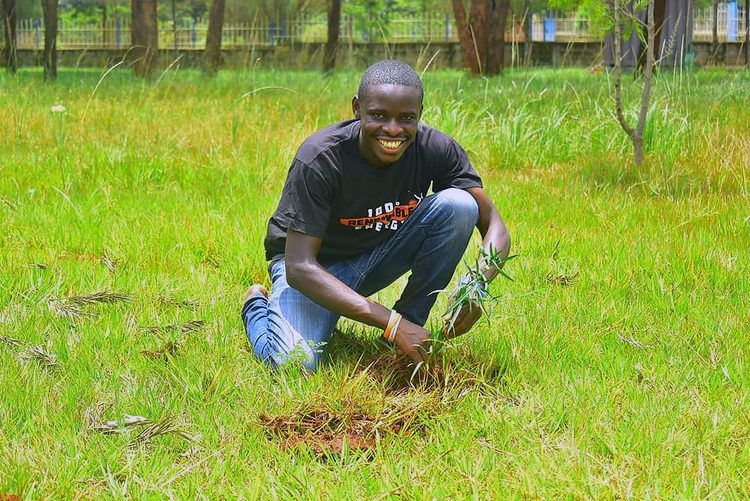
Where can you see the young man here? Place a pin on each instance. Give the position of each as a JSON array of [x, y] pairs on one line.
[[355, 215]]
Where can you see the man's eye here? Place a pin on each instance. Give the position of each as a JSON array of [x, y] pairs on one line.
[[408, 118], [377, 114]]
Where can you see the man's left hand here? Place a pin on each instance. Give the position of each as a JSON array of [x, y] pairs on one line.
[[465, 320]]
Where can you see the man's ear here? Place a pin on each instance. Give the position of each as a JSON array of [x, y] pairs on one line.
[[355, 106]]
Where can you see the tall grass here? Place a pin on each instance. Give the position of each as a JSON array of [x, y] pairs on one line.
[[615, 365]]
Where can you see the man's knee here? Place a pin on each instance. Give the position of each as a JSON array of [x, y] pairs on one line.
[[461, 204]]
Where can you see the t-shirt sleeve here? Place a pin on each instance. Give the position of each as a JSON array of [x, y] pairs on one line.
[[307, 199], [455, 169]]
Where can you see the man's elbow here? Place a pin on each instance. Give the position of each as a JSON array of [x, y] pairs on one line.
[[296, 273]]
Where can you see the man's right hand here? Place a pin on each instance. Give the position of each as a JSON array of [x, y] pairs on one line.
[[411, 339]]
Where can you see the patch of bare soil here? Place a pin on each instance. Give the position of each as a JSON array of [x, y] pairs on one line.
[[10, 497], [322, 431], [325, 431], [387, 395]]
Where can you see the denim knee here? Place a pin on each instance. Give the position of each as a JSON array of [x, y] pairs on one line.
[[461, 204]]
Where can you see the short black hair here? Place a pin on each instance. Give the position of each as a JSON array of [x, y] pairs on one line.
[[389, 71]]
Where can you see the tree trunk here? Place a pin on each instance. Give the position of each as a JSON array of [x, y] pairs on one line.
[[478, 30], [9, 53], [174, 27], [661, 38], [747, 33], [49, 8], [714, 31], [635, 133], [464, 35], [213, 37], [145, 37], [332, 42], [498, 15], [482, 36], [638, 150], [528, 44], [105, 35]]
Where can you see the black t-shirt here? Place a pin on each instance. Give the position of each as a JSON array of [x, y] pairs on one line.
[[331, 192]]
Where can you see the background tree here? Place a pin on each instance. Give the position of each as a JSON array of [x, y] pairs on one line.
[[213, 36], [332, 40], [747, 33], [482, 34], [714, 30], [524, 10], [9, 54], [144, 37], [660, 14], [635, 133], [49, 8]]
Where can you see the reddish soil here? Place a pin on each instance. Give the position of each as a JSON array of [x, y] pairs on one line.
[[410, 397], [10, 497], [325, 432], [327, 443]]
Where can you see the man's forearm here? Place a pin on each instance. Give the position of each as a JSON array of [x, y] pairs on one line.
[[315, 282], [496, 240], [495, 237]]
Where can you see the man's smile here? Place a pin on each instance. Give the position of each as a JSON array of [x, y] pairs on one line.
[[391, 145]]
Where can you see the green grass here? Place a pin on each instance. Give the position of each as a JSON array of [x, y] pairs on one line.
[[615, 365]]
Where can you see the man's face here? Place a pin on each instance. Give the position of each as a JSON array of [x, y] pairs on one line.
[[389, 115]]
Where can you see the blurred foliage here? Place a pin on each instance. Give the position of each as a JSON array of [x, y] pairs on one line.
[[370, 17]]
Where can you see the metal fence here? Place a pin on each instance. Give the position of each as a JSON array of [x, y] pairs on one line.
[[429, 27]]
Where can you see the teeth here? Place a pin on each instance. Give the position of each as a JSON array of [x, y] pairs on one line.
[[391, 145]]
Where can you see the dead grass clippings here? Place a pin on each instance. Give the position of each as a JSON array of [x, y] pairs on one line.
[[99, 297], [114, 426], [11, 205], [452, 376], [40, 355], [357, 425], [77, 307], [183, 328], [149, 429], [167, 425], [109, 262], [10, 341], [562, 279], [322, 430], [168, 349], [396, 372], [177, 302]]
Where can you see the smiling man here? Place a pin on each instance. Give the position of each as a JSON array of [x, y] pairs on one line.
[[355, 214]]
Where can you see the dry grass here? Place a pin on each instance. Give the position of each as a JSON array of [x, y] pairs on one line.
[[183, 328], [77, 307], [168, 349], [167, 425], [10, 341], [38, 354]]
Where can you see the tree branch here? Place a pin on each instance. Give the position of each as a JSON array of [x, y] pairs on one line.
[[618, 72], [648, 77]]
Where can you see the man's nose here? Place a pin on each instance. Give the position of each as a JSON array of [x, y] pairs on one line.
[[392, 128]]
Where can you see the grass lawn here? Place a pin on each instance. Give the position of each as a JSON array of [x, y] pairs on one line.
[[614, 365]]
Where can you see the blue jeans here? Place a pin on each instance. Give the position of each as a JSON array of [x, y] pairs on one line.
[[430, 243]]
